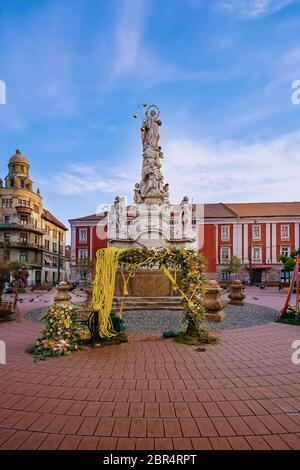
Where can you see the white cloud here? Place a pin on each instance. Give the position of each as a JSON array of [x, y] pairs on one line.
[[134, 58], [128, 36], [252, 8], [207, 171], [225, 171], [80, 179]]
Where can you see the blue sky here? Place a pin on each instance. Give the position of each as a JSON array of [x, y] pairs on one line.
[[220, 71]]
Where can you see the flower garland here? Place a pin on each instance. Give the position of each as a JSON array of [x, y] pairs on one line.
[[61, 333], [190, 285]]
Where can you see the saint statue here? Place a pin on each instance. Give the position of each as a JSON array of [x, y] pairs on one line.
[[150, 190], [185, 217], [150, 130]]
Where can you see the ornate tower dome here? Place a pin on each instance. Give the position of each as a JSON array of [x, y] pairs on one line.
[[18, 172]]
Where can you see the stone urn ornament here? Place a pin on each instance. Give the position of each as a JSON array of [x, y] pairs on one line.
[[237, 295], [62, 296], [213, 303]]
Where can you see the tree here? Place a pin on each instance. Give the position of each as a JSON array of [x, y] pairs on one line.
[[85, 266], [18, 271], [232, 266], [20, 274], [290, 261], [4, 274]]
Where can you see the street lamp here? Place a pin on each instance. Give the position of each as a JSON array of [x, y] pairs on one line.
[[250, 258]]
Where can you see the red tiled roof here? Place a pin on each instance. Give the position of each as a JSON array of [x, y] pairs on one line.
[[268, 209], [87, 218], [212, 211], [50, 217]]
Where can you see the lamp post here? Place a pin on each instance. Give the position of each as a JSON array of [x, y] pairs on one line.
[[250, 258], [58, 259]]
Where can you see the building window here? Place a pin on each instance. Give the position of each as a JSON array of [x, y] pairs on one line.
[[23, 256], [256, 232], [19, 202], [47, 261], [285, 250], [54, 233], [83, 235], [24, 219], [225, 232], [36, 208], [83, 253], [225, 276], [225, 253], [54, 263], [7, 219], [47, 244], [7, 238], [257, 253], [3, 203], [23, 238], [285, 232], [285, 276]]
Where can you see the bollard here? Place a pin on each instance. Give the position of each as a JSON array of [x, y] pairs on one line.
[[237, 295], [213, 303]]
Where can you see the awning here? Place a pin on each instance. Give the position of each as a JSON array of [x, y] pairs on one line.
[[259, 266]]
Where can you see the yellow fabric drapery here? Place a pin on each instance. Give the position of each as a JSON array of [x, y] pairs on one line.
[[107, 261]]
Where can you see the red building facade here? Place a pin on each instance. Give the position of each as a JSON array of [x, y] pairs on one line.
[[258, 233]]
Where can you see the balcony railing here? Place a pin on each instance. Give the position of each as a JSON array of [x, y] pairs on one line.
[[24, 209], [21, 226], [18, 244]]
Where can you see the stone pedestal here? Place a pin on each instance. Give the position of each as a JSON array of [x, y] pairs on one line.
[[237, 295], [62, 296], [213, 303]]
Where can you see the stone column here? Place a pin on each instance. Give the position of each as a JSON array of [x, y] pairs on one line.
[[62, 296], [237, 295], [213, 303]]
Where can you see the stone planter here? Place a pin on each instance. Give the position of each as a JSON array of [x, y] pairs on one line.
[[213, 303], [237, 295]]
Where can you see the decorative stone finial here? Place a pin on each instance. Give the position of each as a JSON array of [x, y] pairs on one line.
[[18, 152], [63, 296], [213, 303], [237, 295]]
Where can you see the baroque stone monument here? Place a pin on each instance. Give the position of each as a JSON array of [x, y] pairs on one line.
[[151, 189], [151, 220]]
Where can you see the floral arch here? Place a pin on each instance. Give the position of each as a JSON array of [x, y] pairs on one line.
[[172, 261]]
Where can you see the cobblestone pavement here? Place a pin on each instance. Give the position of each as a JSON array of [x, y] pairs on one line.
[[152, 393], [161, 320]]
